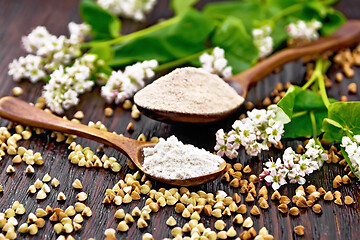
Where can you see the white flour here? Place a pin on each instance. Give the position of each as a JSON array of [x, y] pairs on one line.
[[171, 159], [189, 90]]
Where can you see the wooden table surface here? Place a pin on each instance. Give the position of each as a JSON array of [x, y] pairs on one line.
[[18, 17]]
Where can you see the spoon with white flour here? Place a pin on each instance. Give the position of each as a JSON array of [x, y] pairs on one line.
[[169, 161], [194, 96]]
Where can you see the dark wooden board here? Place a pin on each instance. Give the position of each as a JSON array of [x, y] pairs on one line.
[[18, 17]]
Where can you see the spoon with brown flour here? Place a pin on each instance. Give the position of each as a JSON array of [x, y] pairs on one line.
[[165, 161], [192, 95]]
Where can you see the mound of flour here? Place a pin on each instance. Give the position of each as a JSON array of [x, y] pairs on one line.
[[171, 159], [189, 90]]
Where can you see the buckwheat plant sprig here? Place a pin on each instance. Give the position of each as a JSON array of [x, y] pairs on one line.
[[294, 167], [133, 9], [254, 133], [122, 85], [302, 30], [66, 84], [30, 66], [352, 149], [47, 52], [216, 63], [263, 41]]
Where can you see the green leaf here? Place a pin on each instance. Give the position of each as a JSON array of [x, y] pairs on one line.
[[181, 39], [297, 105], [247, 11], [104, 25], [318, 8], [301, 126], [332, 22], [343, 118], [279, 34], [237, 64], [239, 48], [287, 103], [181, 6]]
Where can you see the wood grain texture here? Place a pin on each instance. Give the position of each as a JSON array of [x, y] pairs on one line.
[[19, 17]]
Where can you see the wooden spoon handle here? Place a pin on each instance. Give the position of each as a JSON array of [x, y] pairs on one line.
[[22, 112], [346, 36]]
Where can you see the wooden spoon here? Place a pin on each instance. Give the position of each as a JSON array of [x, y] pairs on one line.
[[346, 36], [22, 112]]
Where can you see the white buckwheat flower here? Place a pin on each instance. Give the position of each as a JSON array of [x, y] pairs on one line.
[[216, 63], [47, 52], [134, 9], [294, 167], [39, 41], [66, 84], [54, 50], [302, 30], [263, 41], [274, 135], [275, 174], [227, 145], [113, 6], [31, 67], [254, 133], [78, 32], [122, 85]]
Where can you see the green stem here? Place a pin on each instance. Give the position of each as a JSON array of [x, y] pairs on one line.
[[323, 93], [311, 81], [321, 67], [315, 87], [180, 61], [313, 123], [317, 72], [287, 11], [318, 77], [134, 35]]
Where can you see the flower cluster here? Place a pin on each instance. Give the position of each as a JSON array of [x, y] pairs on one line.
[[122, 85], [54, 50], [133, 9], [302, 30], [67, 83], [263, 41], [47, 52], [352, 148], [294, 167], [30, 66], [79, 32], [255, 133], [216, 63]]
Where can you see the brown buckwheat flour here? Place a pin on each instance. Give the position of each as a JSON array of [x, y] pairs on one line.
[[189, 90]]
